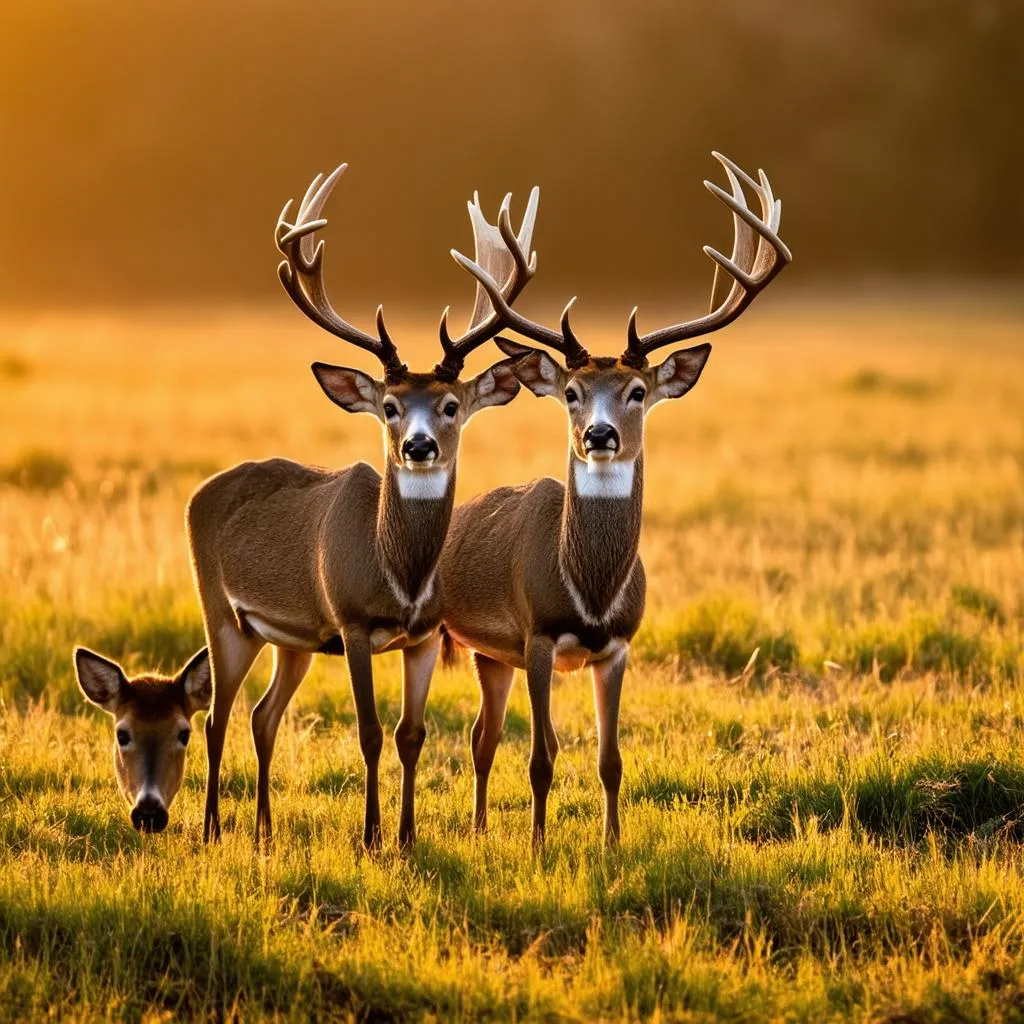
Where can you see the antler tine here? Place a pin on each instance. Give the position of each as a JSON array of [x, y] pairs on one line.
[[502, 256], [566, 342], [758, 255], [301, 273], [507, 261]]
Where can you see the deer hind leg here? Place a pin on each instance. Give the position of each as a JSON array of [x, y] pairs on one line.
[[417, 670], [290, 668], [543, 746], [495, 680], [608, 677], [371, 735], [231, 654]]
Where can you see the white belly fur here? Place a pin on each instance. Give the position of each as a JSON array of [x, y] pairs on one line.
[[381, 639], [278, 636]]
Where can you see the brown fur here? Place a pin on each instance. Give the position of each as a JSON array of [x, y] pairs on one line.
[[153, 713], [546, 576], [283, 515], [543, 576], [334, 561], [309, 560]]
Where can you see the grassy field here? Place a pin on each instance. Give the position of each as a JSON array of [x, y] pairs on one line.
[[830, 830]]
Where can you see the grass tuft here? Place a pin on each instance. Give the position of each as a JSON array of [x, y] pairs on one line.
[[874, 382], [979, 601], [38, 470], [721, 634]]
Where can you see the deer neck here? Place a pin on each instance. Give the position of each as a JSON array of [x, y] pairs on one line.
[[600, 533], [412, 522]]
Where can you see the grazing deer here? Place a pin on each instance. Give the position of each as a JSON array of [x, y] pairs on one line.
[[343, 562], [545, 576], [152, 726]]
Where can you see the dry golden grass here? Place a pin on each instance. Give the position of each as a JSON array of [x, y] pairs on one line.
[[831, 834]]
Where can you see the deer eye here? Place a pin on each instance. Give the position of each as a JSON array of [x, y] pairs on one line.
[[451, 409], [183, 737], [390, 410], [637, 395], [124, 737], [571, 397]]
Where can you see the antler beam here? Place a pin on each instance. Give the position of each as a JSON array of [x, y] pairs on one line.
[[301, 273], [758, 254]]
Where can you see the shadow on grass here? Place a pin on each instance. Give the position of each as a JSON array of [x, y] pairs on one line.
[[182, 960]]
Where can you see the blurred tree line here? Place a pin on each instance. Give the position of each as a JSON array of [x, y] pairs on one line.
[[148, 148]]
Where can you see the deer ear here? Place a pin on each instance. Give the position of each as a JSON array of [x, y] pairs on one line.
[[353, 390], [196, 681], [495, 386], [101, 680], [537, 371], [678, 374]]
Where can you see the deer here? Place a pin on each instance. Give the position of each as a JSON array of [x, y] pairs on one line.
[[547, 576], [152, 717], [344, 562]]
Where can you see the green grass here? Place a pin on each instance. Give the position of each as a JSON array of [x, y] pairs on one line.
[[865, 844], [823, 795]]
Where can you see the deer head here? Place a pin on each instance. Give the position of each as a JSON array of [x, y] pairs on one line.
[[152, 718], [422, 413], [608, 398]]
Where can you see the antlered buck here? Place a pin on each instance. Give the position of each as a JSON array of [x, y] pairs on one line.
[[546, 576], [312, 560]]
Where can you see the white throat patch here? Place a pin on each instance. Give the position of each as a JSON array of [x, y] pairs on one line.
[[595, 479], [422, 484]]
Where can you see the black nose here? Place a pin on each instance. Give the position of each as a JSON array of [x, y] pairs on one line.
[[149, 815], [419, 448], [601, 437]]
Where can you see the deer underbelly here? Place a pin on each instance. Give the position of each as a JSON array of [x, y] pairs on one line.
[[288, 635], [382, 639], [490, 647]]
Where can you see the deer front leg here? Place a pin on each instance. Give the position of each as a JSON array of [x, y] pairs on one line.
[[371, 735], [231, 656], [290, 668], [495, 680], [608, 677], [417, 670], [544, 744]]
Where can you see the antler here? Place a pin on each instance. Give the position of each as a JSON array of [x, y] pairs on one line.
[[301, 272], [502, 256], [758, 254]]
